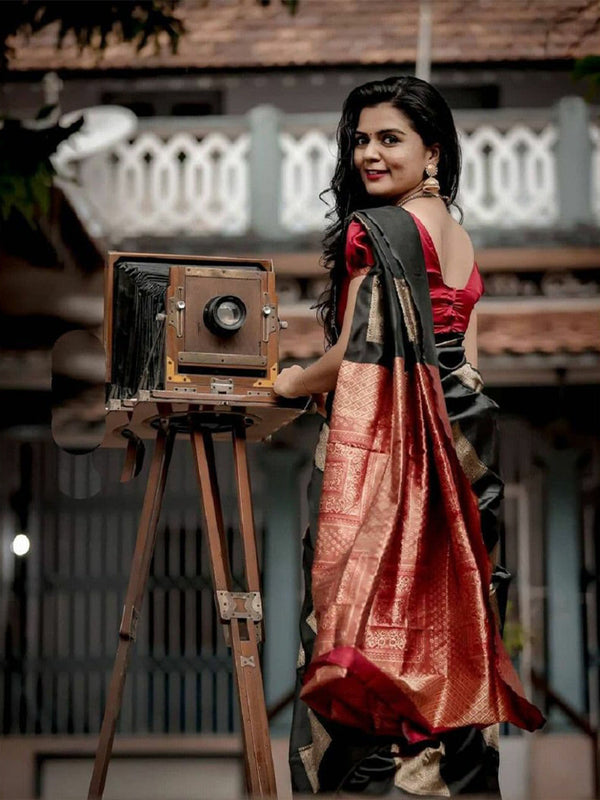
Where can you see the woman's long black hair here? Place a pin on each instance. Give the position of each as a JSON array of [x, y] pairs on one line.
[[431, 118]]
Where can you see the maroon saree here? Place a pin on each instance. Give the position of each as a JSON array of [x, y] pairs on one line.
[[407, 644]]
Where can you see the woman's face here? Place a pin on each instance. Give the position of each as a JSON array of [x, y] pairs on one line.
[[389, 154]]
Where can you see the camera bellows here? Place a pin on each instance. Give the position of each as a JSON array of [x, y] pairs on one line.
[[138, 330]]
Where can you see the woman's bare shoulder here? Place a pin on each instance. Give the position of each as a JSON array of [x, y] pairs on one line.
[[432, 212], [451, 240]]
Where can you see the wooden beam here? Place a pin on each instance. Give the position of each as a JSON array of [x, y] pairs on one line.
[[537, 325], [529, 259], [489, 259]]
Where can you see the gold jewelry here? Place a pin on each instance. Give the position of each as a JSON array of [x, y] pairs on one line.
[[431, 186], [419, 193]]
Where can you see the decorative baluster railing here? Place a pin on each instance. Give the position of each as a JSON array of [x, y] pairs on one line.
[[508, 176], [189, 182], [309, 153], [217, 176]]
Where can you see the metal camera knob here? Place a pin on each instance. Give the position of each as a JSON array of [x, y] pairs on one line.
[[180, 305], [283, 324], [266, 310]]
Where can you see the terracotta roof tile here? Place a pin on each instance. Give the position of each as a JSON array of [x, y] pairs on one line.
[[511, 332], [542, 332], [237, 33]]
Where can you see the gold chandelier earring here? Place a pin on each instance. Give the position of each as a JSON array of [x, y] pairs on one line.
[[431, 185]]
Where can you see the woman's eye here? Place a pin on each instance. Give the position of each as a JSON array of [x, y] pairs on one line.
[[360, 140], [389, 138]]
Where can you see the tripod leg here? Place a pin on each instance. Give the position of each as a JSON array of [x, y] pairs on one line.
[[249, 677], [242, 478], [260, 773], [138, 579], [204, 457]]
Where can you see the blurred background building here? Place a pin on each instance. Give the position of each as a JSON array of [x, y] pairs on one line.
[[225, 150]]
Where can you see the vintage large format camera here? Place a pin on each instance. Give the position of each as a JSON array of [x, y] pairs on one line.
[[193, 332], [191, 346]]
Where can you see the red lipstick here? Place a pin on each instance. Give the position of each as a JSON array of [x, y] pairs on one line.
[[375, 175]]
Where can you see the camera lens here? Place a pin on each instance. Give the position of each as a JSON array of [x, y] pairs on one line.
[[229, 314], [224, 315]]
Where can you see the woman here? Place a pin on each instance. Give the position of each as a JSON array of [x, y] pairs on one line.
[[402, 672]]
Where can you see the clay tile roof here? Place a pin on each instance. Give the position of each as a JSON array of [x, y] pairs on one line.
[[541, 332], [242, 34], [511, 332]]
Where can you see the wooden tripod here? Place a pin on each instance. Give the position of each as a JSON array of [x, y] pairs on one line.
[[240, 612]]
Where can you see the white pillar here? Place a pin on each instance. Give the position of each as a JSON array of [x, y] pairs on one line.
[[423, 65], [283, 471], [574, 162], [265, 173], [563, 569]]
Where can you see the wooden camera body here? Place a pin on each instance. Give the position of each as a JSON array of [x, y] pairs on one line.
[[191, 334]]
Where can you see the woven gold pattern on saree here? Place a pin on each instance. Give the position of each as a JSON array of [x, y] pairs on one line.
[[421, 775], [312, 754], [321, 448], [491, 736], [375, 324], [311, 621], [469, 377], [468, 458], [408, 308]]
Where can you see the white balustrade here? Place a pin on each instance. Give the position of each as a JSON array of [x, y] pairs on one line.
[[306, 170], [508, 179], [182, 185], [195, 181]]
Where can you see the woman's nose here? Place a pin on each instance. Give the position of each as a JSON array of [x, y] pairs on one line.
[[372, 151]]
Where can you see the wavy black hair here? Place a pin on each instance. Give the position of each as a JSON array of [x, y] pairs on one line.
[[431, 118]]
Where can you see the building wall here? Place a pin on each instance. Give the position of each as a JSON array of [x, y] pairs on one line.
[[295, 91]]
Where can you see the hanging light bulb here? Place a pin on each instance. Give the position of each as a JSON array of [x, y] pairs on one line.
[[20, 544]]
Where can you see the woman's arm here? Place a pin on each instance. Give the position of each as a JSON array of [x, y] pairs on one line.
[[470, 342], [322, 375]]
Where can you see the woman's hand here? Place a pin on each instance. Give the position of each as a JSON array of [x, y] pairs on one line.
[[289, 382]]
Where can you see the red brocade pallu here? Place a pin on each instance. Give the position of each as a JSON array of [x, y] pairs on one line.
[[407, 641]]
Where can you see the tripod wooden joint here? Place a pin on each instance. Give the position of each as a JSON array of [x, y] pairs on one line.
[[240, 605], [129, 621]]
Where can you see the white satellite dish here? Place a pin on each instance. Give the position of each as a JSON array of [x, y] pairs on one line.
[[103, 127]]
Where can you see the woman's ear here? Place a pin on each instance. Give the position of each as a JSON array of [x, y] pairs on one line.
[[433, 154]]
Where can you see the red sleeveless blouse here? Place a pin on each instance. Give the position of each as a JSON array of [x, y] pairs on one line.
[[451, 307]]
